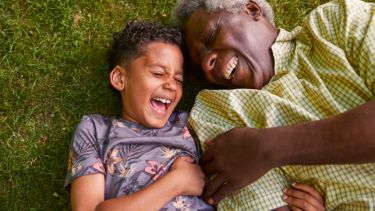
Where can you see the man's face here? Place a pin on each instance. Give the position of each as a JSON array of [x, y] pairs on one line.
[[233, 50]]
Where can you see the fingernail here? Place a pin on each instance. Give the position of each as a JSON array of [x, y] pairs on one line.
[[285, 197], [210, 201], [208, 142], [284, 190], [294, 184]]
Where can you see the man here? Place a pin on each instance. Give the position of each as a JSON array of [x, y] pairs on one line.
[[309, 99]]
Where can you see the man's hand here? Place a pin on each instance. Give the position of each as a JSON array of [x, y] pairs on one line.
[[234, 159], [242, 155]]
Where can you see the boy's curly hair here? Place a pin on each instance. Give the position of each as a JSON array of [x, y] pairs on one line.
[[128, 44]]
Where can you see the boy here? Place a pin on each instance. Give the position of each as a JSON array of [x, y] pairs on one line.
[[146, 159]]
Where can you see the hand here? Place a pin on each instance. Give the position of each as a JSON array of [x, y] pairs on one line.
[[303, 197], [235, 159], [188, 175]]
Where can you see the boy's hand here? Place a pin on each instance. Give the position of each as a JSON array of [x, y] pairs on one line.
[[303, 197], [188, 176]]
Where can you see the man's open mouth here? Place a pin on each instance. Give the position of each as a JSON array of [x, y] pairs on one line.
[[232, 64]]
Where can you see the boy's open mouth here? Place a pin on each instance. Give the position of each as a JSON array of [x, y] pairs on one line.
[[160, 105]]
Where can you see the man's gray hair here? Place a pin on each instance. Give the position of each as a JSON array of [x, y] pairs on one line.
[[185, 8]]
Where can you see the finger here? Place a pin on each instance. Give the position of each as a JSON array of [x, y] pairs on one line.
[[295, 208], [209, 169], [207, 156], [224, 191], [301, 195], [312, 191], [299, 203], [213, 185], [209, 142]]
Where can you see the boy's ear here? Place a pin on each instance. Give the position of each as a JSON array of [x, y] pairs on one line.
[[254, 10], [117, 78]]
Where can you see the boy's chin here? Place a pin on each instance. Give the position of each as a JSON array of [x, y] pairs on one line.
[[156, 123]]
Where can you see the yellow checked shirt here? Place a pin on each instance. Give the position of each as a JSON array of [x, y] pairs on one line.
[[322, 68]]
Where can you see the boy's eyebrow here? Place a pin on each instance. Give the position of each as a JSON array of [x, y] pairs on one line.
[[157, 65], [165, 68]]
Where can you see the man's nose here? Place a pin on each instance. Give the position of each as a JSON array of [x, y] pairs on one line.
[[208, 63]]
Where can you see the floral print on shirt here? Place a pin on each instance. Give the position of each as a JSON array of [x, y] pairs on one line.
[[131, 156]]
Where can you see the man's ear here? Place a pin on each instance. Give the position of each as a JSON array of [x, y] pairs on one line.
[[117, 78], [254, 10]]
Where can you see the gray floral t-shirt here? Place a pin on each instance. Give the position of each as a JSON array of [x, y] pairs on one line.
[[131, 156]]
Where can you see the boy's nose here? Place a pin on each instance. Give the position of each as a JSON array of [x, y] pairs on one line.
[[171, 84]]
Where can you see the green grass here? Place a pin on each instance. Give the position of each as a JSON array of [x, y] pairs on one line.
[[53, 70]]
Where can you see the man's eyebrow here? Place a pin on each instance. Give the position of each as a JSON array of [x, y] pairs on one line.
[[213, 31]]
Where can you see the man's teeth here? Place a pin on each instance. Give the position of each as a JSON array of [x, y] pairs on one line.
[[232, 64], [165, 101]]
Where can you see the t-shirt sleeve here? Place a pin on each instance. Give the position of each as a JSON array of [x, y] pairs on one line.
[[84, 154]]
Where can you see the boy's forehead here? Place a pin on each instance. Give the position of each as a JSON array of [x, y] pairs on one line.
[[163, 55], [156, 46]]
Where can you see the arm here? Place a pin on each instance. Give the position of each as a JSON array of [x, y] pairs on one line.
[[346, 138], [343, 139], [184, 178], [87, 192]]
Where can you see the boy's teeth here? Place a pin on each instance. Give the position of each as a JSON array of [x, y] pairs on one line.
[[165, 101], [232, 64]]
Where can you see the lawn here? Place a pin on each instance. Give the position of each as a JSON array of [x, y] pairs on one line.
[[53, 70]]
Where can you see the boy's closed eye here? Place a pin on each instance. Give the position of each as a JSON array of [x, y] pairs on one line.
[[179, 79], [157, 72]]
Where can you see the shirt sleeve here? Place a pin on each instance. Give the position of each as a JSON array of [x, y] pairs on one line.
[[84, 153], [348, 25], [358, 31]]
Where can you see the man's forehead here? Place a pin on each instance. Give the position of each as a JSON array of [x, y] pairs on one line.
[[200, 22], [207, 15]]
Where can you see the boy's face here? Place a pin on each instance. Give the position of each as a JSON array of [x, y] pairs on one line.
[[153, 85]]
